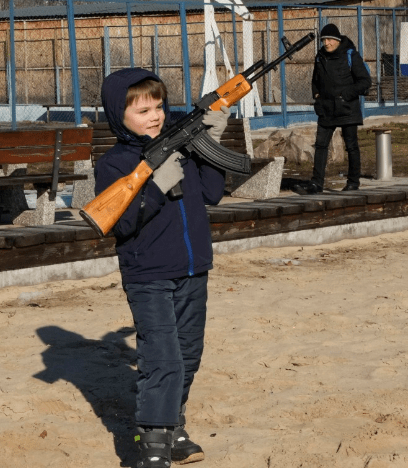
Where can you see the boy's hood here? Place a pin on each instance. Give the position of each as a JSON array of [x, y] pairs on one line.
[[114, 89]]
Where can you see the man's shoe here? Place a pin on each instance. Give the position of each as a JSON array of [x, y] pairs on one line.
[[309, 188], [350, 187]]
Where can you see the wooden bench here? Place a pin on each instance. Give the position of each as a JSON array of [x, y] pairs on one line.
[[31, 146]]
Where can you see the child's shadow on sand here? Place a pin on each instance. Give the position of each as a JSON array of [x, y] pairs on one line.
[[101, 370]]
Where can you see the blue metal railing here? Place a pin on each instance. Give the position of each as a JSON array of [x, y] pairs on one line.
[[284, 114]]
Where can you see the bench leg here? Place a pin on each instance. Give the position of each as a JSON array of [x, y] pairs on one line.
[[84, 190], [44, 213]]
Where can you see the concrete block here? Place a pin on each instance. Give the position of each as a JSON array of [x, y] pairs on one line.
[[84, 190], [44, 213], [263, 184]]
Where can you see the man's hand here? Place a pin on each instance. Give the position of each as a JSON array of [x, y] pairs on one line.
[[169, 173], [217, 120]]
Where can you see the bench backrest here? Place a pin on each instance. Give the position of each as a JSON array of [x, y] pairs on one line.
[[30, 146], [232, 138]]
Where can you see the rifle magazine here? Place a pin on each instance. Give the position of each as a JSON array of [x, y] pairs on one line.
[[220, 156]]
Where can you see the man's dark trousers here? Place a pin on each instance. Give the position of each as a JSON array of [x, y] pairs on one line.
[[170, 317], [323, 138]]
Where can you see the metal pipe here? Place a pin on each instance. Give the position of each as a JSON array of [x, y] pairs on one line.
[[186, 57], [74, 62], [383, 154], [129, 21], [12, 69]]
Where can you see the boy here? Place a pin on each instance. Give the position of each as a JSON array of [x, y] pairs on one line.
[[164, 250]]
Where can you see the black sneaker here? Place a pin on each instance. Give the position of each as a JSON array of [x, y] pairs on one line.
[[308, 188], [350, 187], [183, 450]]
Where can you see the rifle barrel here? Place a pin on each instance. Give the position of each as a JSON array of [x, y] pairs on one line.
[[294, 48], [252, 68]]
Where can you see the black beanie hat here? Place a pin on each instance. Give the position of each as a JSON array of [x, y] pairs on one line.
[[330, 31]]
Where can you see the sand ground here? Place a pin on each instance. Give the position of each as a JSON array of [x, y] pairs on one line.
[[305, 364]]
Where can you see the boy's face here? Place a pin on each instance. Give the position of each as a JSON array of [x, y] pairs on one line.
[[145, 116]]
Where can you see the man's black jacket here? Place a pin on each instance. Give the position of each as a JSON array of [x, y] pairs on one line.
[[339, 85]]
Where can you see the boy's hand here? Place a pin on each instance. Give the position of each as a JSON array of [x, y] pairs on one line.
[[218, 121], [169, 173]]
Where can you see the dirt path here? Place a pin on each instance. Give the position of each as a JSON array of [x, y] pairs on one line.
[[305, 364]]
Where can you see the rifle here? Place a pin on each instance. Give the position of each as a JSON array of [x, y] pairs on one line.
[[104, 211]]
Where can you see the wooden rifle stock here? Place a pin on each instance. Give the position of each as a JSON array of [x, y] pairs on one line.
[[104, 211]]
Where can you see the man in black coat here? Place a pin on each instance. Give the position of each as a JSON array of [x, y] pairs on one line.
[[339, 78]]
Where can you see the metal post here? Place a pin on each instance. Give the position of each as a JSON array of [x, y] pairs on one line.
[[129, 20], [12, 69], [106, 50], [236, 56], [361, 51], [74, 62], [156, 50], [320, 21], [269, 58], [186, 58], [394, 40], [378, 57], [383, 153], [57, 84], [282, 68], [234, 35]]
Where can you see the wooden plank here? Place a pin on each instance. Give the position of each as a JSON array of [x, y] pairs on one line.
[[9, 181], [43, 154], [10, 238], [334, 200], [55, 233], [307, 201], [44, 137], [83, 230], [100, 149], [392, 195], [96, 141], [233, 135], [100, 126], [76, 136], [219, 216], [240, 213], [54, 254], [285, 207], [264, 210], [19, 138]]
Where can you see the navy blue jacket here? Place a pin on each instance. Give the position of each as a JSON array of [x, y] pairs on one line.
[[156, 238], [339, 85]]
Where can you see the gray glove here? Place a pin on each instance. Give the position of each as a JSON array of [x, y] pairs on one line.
[[218, 122], [169, 173]]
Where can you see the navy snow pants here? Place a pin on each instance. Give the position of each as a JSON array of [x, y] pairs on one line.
[[169, 317]]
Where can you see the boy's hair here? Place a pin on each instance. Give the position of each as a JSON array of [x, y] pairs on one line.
[[148, 88]]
